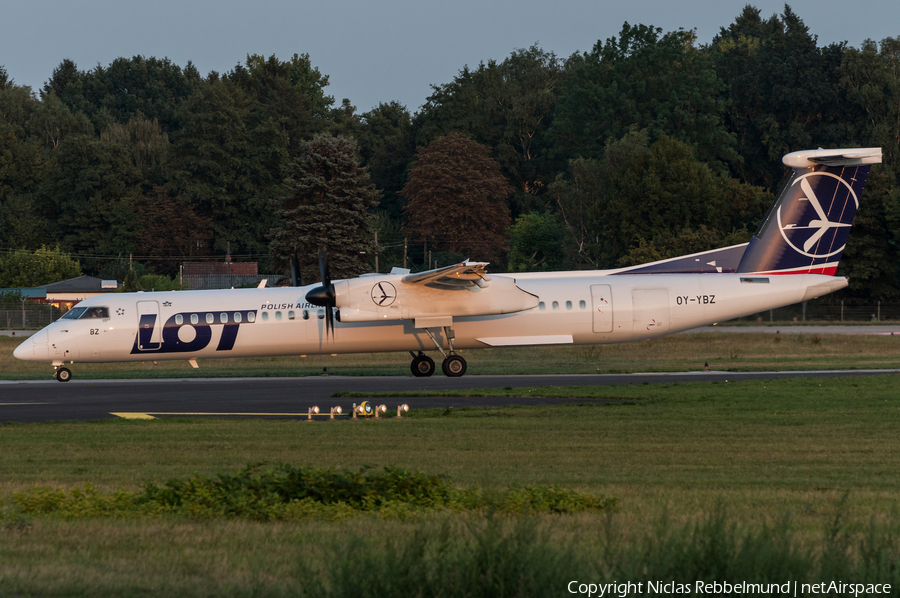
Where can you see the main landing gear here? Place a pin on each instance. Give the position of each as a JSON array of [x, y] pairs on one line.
[[453, 365], [422, 366]]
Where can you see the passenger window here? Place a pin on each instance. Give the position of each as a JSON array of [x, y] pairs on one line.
[[237, 317], [195, 319], [209, 318], [291, 315], [321, 314], [251, 317], [278, 315], [582, 304], [305, 314], [541, 306], [223, 317], [568, 305], [555, 305], [179, 320], [265, 316]]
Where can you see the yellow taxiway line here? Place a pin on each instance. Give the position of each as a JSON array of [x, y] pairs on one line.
[[150, 415]]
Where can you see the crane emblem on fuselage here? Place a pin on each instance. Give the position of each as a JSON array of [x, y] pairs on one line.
[[384, 294]]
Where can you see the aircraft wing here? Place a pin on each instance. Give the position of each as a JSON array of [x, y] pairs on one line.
[[464, 274]]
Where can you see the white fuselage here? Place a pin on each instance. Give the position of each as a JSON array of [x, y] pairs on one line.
[[575, 308]]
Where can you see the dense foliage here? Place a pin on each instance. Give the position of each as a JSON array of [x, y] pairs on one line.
[[646, 146], [288, 492]]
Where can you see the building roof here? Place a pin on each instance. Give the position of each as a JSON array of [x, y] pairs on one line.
[[220, 268], [27, 292], [82, 284]]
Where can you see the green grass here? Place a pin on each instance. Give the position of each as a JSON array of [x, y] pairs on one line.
[[714, 480], [681, 352]]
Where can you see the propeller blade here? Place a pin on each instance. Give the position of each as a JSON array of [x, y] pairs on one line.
[[325, 295], [329, 321]]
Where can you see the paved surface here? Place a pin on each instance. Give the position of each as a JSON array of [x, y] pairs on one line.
[[83, 400], [880, 329]]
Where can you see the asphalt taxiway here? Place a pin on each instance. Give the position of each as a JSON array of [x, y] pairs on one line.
[[84, 400]]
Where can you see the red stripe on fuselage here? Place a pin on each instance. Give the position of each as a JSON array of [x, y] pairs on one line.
[[827, 270]]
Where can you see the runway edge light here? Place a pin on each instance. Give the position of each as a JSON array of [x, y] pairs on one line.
[[402, 409]]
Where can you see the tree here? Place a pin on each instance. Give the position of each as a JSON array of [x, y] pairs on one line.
[[782, 90], [227, 169], [665, 199], [152, 86], [145, 142], [91, 196], [507, 106], [171, 230], [31, 269], [387, 146], [5, 81], [290, 94], [658, 82], [581, 195], [536, 243], [456, 198], [326, 203]]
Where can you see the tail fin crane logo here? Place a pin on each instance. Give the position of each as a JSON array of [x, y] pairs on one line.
[[820, 223]]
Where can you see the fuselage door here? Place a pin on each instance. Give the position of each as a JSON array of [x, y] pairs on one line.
[[149, 328], [601, 300], [651, 310]]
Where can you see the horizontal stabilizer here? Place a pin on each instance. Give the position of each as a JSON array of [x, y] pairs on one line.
[[834, 157]]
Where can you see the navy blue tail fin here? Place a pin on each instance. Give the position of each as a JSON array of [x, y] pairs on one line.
[[806, 229]]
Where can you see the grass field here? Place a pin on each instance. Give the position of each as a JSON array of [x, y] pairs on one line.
[[680, 352], [714, 480]]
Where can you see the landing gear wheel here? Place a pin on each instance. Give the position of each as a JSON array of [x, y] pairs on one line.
[[422, 366], [63, 374], [454, 366]]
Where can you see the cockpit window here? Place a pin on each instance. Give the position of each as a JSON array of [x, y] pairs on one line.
[[74, 313], [95, 313]]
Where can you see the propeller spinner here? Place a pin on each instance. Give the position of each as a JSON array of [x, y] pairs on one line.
[[325, 295]]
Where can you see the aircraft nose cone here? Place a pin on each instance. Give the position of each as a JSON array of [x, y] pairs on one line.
[[24, 351]]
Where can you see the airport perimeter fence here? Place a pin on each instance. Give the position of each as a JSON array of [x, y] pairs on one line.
[[849, 311], [27, 315]]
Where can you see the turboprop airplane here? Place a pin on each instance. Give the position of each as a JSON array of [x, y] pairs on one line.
[[792, 257]]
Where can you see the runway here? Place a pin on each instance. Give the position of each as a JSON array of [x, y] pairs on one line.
[[85, 400]]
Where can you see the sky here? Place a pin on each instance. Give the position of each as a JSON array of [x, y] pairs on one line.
[[375, 51]]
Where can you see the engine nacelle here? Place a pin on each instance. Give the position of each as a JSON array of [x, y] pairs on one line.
[[388, 297]]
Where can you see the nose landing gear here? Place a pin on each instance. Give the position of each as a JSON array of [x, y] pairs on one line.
[[63, 374]]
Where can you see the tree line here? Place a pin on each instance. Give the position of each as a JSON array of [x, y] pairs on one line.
[[648, 145]]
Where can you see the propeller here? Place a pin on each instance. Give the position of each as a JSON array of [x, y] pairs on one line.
[[324, 296]]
